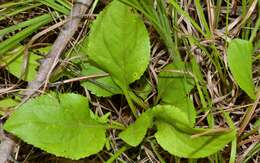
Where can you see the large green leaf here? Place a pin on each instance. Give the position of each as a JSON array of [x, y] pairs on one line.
[[174, 89], [175, 131], [103, 87], [182, 144], [118, 43], [239, 55], [60, 125], [174, 134]]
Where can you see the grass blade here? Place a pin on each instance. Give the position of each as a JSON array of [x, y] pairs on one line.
[[29, 22], [14, 40]]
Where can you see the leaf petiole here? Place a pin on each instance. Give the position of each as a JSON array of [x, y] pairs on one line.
[[130, 102], [137, 100], [117, 154], [115, 125]]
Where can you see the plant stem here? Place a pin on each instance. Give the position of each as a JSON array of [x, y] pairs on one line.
[[233, 151], [157, 153], [130, 102], [137, 100], [210, 118], [117, 154], [116, 125], [177, 159], [234, 142], [190, 160]]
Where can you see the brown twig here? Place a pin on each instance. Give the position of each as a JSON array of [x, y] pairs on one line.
[[6, 148], [95, 76], [30, 44], [48, 64], [255, 138]]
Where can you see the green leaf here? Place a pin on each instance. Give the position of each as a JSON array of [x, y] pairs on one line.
[[15, 67], [7, 103], [119, 44], [172, 115], [174, 89], [182, 144], [175, 131], [139, 128], [14, 62], [239, 56], [174, 134], [101, 87], [135, 133], [60, 125]]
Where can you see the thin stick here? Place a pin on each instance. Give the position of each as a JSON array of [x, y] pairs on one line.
[[65, 35], [78, 79], [6, 146]]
